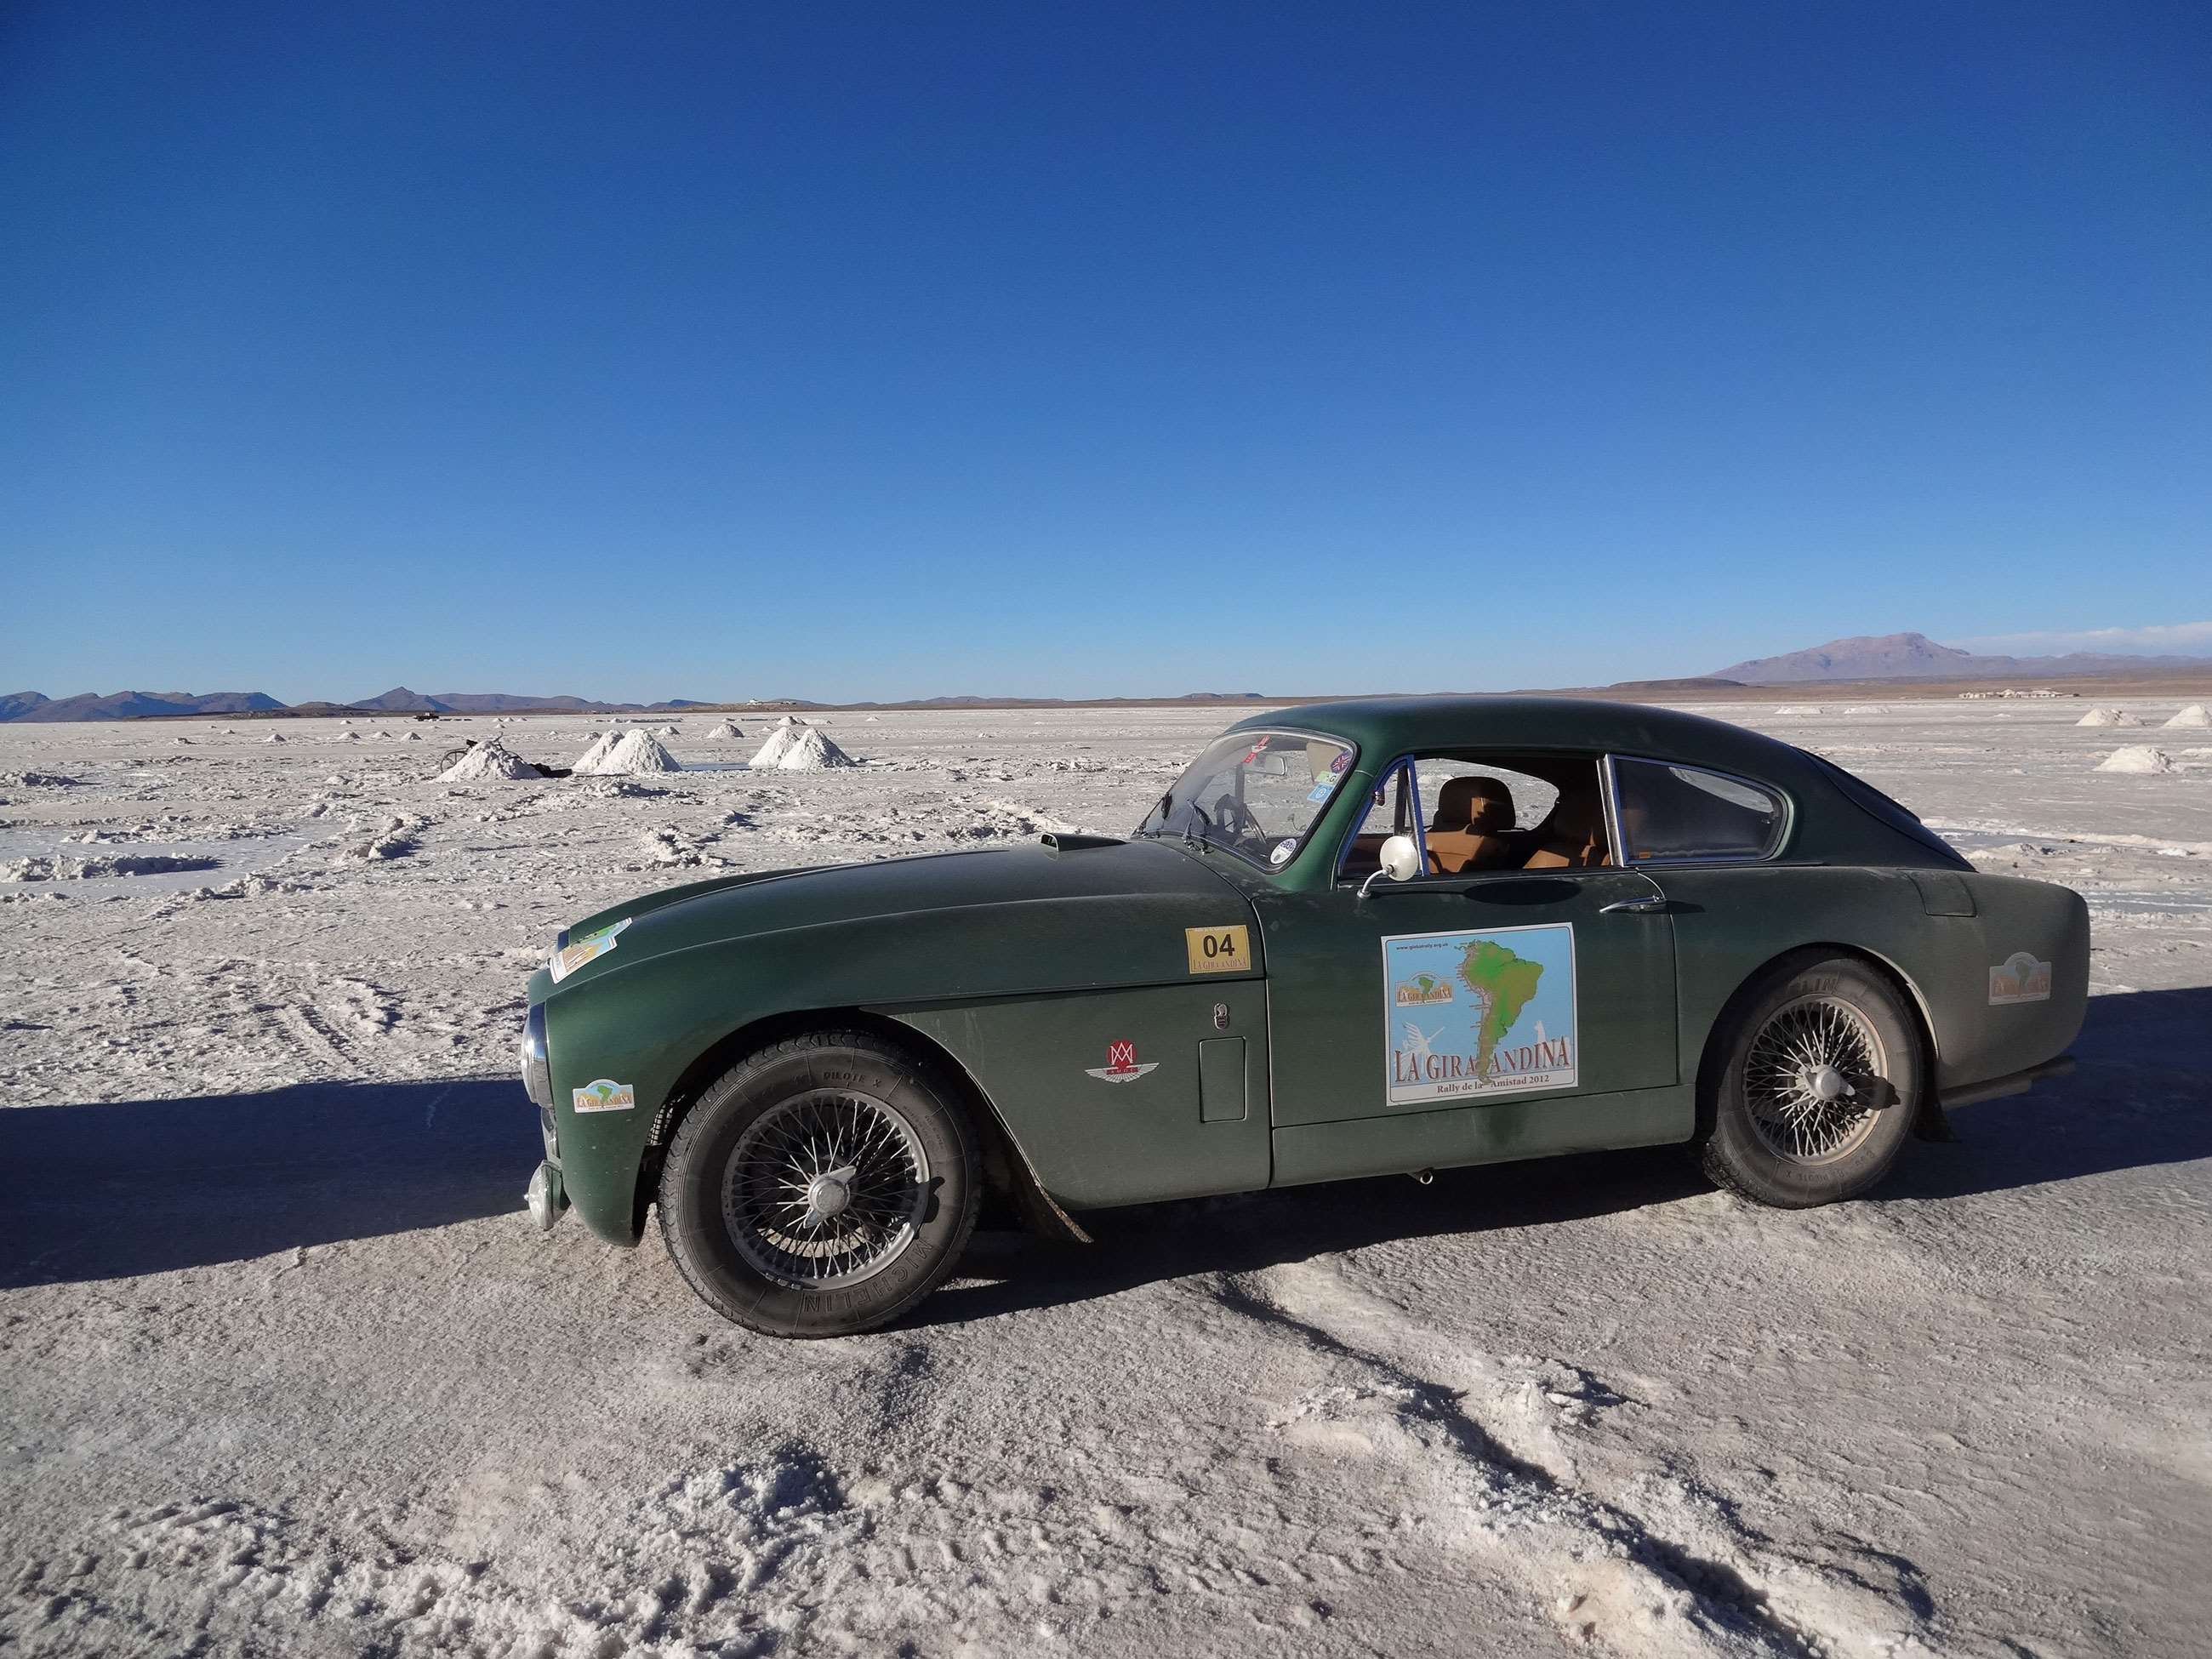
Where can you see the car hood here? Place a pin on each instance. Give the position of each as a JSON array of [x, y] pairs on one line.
[[1115, 910]]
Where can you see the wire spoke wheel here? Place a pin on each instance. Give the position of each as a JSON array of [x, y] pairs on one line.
[[826, 1188], [1814, 1079]]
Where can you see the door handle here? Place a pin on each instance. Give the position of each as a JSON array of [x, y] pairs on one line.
[[1639, 907]]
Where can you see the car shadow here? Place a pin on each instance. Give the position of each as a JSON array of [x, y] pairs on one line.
[[110, 1191], [1010, 1272], [142, 1186], [2141, 1096]]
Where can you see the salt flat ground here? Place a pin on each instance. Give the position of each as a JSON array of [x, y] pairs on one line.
[[286, 1371]]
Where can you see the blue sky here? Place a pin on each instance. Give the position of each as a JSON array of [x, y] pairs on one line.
[[845, 352]]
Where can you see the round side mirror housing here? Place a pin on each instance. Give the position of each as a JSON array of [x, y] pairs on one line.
[[1400, 860]]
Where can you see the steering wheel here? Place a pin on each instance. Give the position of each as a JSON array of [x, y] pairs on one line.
[[1234, 816]]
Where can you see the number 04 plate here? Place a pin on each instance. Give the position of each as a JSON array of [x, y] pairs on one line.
[[1218, 950]]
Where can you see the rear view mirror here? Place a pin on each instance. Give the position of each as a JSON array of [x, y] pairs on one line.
[[1400, 861]]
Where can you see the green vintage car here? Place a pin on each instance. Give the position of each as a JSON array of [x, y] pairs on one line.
[[1355, 939]]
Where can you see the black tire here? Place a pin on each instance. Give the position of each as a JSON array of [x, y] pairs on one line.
[[1769, 1124], [703, 1213]]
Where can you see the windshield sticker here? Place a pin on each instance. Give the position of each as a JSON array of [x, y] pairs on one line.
[[593, 945], [1122, 1065], [1482, 1013], [604, 1095], [1283, 849], [1343, 759], [1217, 950], [2020, 978], [1320, 791]]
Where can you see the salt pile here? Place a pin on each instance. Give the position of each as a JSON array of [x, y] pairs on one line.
[[493, 759], [809, 750], [724, 732], [634, 750], [780, 739], [2136, 758], [2108, 717], [2195, 714], [274, 737], [590, 759]]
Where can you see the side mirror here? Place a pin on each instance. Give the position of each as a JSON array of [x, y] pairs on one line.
[[1400, 861]]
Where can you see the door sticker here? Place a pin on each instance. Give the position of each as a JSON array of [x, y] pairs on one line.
[[2020, 978], [1479, 1014], [1217, 950]]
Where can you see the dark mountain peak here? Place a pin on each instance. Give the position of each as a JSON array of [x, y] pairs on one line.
[[401, 701], [1862, 657], [1916, 657]]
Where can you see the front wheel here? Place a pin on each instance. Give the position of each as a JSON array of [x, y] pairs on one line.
[[821, 1187], [1822, 1074]]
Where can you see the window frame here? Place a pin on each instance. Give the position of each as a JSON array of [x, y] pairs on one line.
[[1772, 854], [1405, 763]]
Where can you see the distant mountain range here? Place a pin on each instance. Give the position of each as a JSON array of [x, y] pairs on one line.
[[400, 701], [29, 706], [138, 705], [1917, 656], [1869, 657], [130, 705]]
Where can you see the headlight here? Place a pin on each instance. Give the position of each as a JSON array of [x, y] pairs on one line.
[[536, 1072]]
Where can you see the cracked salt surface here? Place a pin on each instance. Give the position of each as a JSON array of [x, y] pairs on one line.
[[287, 1372]]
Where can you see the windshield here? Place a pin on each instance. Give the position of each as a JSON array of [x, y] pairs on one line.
[[1255, 793]]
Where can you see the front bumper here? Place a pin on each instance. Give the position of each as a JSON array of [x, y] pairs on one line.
[[547, 1197], [547, 1193]]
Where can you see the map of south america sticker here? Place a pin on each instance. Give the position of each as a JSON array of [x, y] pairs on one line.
[[1479, 1014]]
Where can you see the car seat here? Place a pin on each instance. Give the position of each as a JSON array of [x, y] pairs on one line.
[[1473, 814], [1573, 837]]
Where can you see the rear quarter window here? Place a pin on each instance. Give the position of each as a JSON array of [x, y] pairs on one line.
[[1672, 812]]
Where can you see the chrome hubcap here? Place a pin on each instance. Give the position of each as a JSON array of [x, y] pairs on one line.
[[826, 1188], [1814, 1079]]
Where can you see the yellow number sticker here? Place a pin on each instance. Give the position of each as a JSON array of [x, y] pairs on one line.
[[1218, 950]]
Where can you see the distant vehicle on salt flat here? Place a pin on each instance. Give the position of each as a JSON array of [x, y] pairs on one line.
[[1354, 938]]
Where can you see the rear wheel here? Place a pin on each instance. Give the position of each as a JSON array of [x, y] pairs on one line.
[[1822, 1074], [821, 1187]]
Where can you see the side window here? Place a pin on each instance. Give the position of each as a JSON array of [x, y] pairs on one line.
[[1682, 812], [1479, 796], [1480, 813]]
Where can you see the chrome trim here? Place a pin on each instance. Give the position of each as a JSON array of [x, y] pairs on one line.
[[1608, 789], [1420, 834], [536, 1064]]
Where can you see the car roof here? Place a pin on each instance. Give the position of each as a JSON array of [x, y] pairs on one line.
[[1385, 726]]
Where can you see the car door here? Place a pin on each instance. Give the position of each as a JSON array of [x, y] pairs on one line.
[[1467, 990]]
